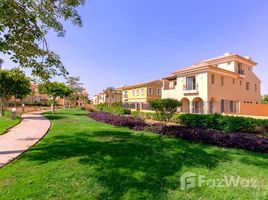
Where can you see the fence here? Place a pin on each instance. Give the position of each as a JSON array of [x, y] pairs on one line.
[[253, 109]]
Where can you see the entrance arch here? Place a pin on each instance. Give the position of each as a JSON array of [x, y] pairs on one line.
[[198, 105], [212, 106]]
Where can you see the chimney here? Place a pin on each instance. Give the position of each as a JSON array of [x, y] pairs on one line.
[[227, 54], [248, 57]]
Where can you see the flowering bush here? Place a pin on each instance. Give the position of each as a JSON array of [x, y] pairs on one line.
[[118, 120], [240, 140]]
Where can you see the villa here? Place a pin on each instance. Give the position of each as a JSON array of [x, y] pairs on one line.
[[223, 84], [109, 97], [137, 96]]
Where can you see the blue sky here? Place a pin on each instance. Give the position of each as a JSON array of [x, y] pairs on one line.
[[128, 41]]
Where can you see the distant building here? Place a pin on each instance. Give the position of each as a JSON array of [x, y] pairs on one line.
[[109, 97], [33, 98], [139, 95]]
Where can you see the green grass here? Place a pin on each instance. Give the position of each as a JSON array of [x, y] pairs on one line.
[[6, 122], [84, 159]]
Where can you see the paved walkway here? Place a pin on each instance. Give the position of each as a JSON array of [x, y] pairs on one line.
[[20, 138]]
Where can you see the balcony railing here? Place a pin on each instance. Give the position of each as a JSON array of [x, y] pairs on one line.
[[169, 88], [190, 88]]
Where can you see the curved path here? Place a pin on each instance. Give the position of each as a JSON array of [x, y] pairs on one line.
[[21, 137]]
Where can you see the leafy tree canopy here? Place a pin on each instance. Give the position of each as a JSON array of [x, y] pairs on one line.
[[13, 83], [24, 25], [165, 108], [54, 90], [75, 84], [265, 99]]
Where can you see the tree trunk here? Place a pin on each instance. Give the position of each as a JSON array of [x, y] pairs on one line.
[[53, 106], [15, 102], [2, 106]]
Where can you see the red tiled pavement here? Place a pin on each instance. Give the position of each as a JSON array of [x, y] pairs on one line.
[[20, 138]]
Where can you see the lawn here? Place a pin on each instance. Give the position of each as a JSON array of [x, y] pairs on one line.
[[6, 122], [84, 159]]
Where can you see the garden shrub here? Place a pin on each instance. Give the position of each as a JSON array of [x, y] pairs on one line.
[[225, 123], [114, 108], [126, 111], [117, 120], [240, 140]]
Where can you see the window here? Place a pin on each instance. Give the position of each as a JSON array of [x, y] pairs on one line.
[[222, 80], [125, 93], [212, 79], [190, 83], [133, 92], [137, 92], [240, 69], [247, 86], [233, 81], [158, 91], [142, 91], [171, 84], [150, 90], [255, 87]]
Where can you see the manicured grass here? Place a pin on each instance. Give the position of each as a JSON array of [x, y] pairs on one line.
[[84, 159], [6, 122]]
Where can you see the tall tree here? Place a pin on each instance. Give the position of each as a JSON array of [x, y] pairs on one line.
[[21, 86], [54, 90], [12, 83], [77, 88], [24, 25]]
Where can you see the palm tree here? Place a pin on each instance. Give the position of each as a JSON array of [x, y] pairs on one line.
[[108, 92]]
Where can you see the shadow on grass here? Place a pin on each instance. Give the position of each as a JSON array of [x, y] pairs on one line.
[[55, 116], [125, 162]]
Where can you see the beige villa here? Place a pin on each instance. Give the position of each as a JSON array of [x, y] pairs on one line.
[[217, 85], [109, 97]]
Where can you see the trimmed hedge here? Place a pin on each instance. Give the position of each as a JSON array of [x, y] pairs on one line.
[[117, 120], [208, 136], [114, 108], [224, 123]]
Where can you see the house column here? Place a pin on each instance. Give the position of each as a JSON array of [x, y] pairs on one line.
[[206, 107], [191, 107]]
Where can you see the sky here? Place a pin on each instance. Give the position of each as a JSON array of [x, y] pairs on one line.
[[123, 42]]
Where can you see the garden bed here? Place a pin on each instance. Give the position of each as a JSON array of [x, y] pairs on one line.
[[248, 141]]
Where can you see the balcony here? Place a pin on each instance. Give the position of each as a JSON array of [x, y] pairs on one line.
[[190, 89], [169, 88]]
